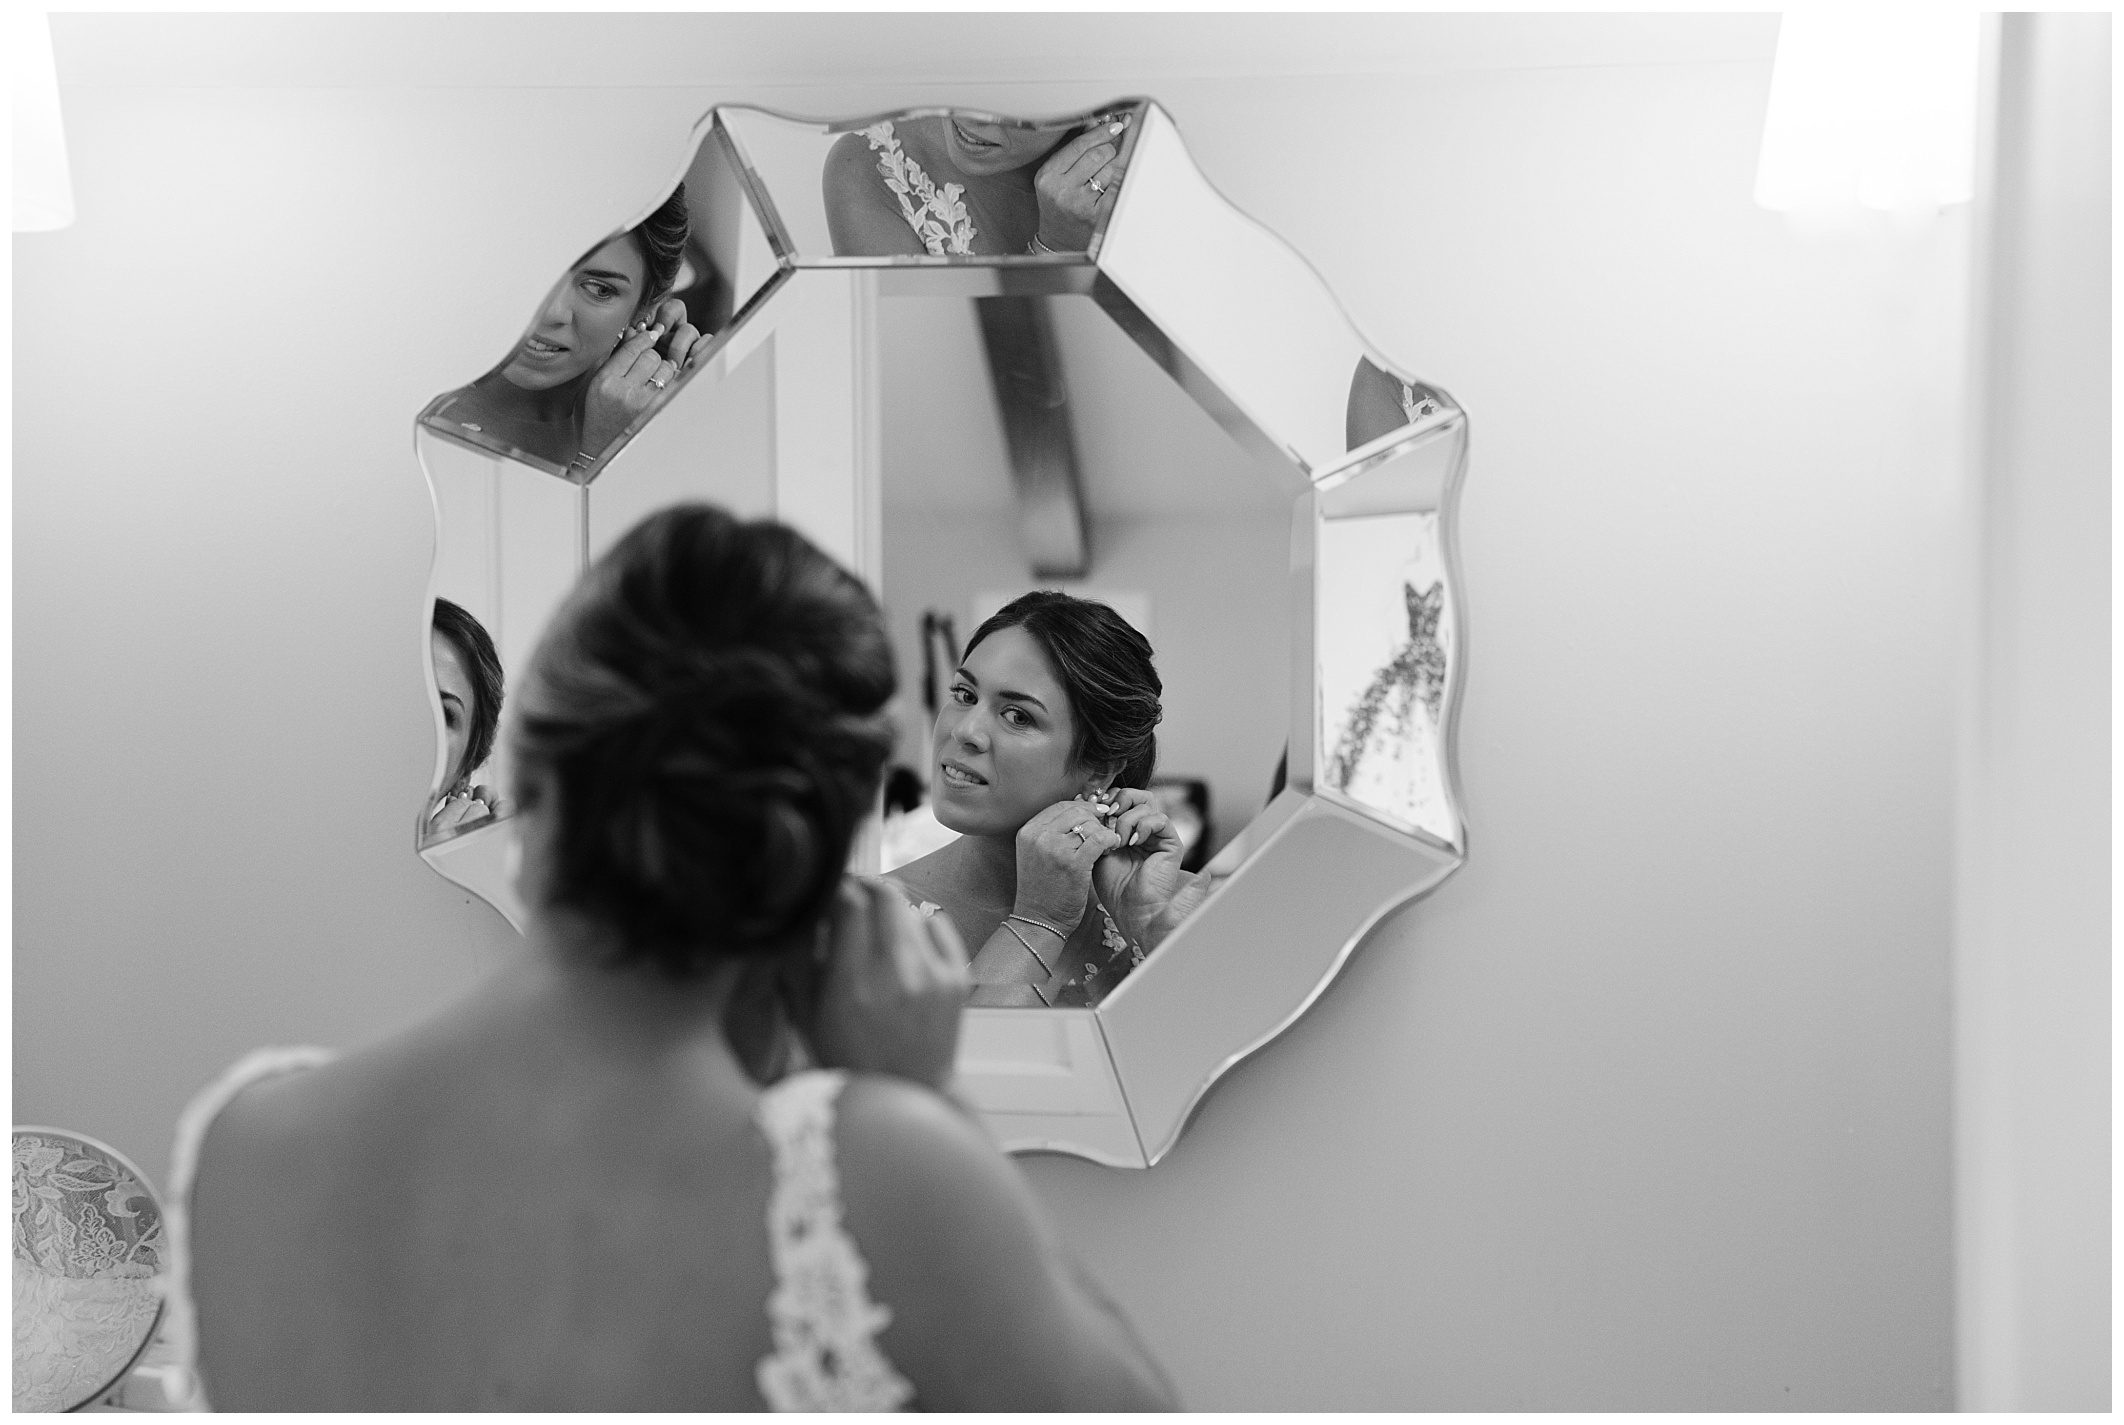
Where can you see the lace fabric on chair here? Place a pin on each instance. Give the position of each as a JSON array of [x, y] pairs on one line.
[[88, 1250], [826, 1355]]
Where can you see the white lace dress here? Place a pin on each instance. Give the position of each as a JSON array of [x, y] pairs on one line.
[[937, 215], [825, 1326]]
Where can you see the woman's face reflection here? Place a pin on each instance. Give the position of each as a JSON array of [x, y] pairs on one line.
[[454, 686], [583, 320], [980, 149], [1003, 738]]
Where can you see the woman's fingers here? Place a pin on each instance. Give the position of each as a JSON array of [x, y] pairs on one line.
[[1072, 153], [1140, 825], [670, 314], [629, 353]]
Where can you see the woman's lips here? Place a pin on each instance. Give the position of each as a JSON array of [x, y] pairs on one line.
[[540, 349], [954, 775], [972, 140]]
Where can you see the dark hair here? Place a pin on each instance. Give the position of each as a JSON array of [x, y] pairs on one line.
[[661, 240], [484, 665], [1105, 667], [709, 703]]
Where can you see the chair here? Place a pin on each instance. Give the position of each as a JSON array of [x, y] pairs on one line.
[[88, 1255]]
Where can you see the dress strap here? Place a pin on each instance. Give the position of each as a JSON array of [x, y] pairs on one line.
[[937, 215], [180, 1321], [826, 1355]]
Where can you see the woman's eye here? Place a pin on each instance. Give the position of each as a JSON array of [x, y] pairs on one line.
[[962, 695], [1017, 717], [602, 291]]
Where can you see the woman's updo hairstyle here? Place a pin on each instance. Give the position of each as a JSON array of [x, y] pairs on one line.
[[1105, 666], [709, 703], [661, 240]]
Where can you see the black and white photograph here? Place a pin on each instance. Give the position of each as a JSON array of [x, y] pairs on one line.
[[1062, 711]]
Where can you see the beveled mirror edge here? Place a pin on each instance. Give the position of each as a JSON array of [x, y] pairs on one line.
[[1158, 1140], [1074, 272]]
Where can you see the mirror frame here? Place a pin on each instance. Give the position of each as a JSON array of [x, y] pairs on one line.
[[1116, 1083]]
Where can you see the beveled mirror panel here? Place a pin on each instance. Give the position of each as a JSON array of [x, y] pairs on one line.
[[972, 356]]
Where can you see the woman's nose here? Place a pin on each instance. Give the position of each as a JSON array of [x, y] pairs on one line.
[[557, 310], [972, 731]]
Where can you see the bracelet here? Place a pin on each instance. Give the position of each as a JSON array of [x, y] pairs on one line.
[[1051, 929], [1030, 951], [1036, 247], [583, 461]]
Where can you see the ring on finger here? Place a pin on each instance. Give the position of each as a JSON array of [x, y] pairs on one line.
[[1095, 185]]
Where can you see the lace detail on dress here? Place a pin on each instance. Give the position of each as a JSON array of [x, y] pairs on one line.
[[826, 1355], [182, 1326], [88, 1246], [937, 215]]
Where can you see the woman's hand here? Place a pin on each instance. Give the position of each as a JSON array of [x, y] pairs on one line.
[[1056, 851], [1140, 880], [467, 806], [639, 374], [1077, 185], [895, 983]]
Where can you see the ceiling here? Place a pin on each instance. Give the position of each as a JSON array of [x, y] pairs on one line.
[[766, 50], [1143, 447]]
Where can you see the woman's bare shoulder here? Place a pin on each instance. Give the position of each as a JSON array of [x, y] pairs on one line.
[[936, 1206]]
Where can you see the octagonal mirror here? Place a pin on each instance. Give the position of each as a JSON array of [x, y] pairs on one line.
[[972, 356]]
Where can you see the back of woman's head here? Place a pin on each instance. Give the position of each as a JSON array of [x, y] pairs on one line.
[[708, 707], [661, 239], [1105, 666]]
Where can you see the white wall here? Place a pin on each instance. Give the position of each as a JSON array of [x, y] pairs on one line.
[[1647, 1108]]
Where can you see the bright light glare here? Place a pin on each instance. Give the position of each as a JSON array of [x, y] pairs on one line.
[[1871, 110], [44, 196]]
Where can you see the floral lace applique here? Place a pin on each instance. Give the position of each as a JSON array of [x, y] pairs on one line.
[[88, 1249], [937, 216], [826, 1355]]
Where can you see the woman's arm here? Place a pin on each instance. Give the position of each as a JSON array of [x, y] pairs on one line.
[[862, 214], [989, 1311]]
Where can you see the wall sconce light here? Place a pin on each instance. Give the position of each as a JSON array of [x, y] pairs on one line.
[[1870, 111], [44, 195]]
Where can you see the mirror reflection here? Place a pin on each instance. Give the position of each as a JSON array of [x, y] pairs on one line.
[[961, 184], [468, 689], [925, 183], [1118, 565], [601, 353]]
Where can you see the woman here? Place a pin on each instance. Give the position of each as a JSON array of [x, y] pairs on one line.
[[1066, 873], [468, 683], [604, 349], [566, 1192], [951, 185]]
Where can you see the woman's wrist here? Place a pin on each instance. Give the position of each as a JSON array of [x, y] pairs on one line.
[[1049, 921]]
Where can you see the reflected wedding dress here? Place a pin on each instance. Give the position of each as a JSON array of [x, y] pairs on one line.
[[937, 215], [825, 1325]]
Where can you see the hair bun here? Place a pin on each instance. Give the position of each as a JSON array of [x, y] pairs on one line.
[[710, 701]]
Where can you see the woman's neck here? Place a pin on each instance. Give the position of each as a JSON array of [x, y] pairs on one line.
[[552, 406], [988, 869], [569, 967]]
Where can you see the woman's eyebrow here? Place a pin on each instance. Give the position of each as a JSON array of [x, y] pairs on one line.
[[617, 279], [453, 698], [1004, 693]]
